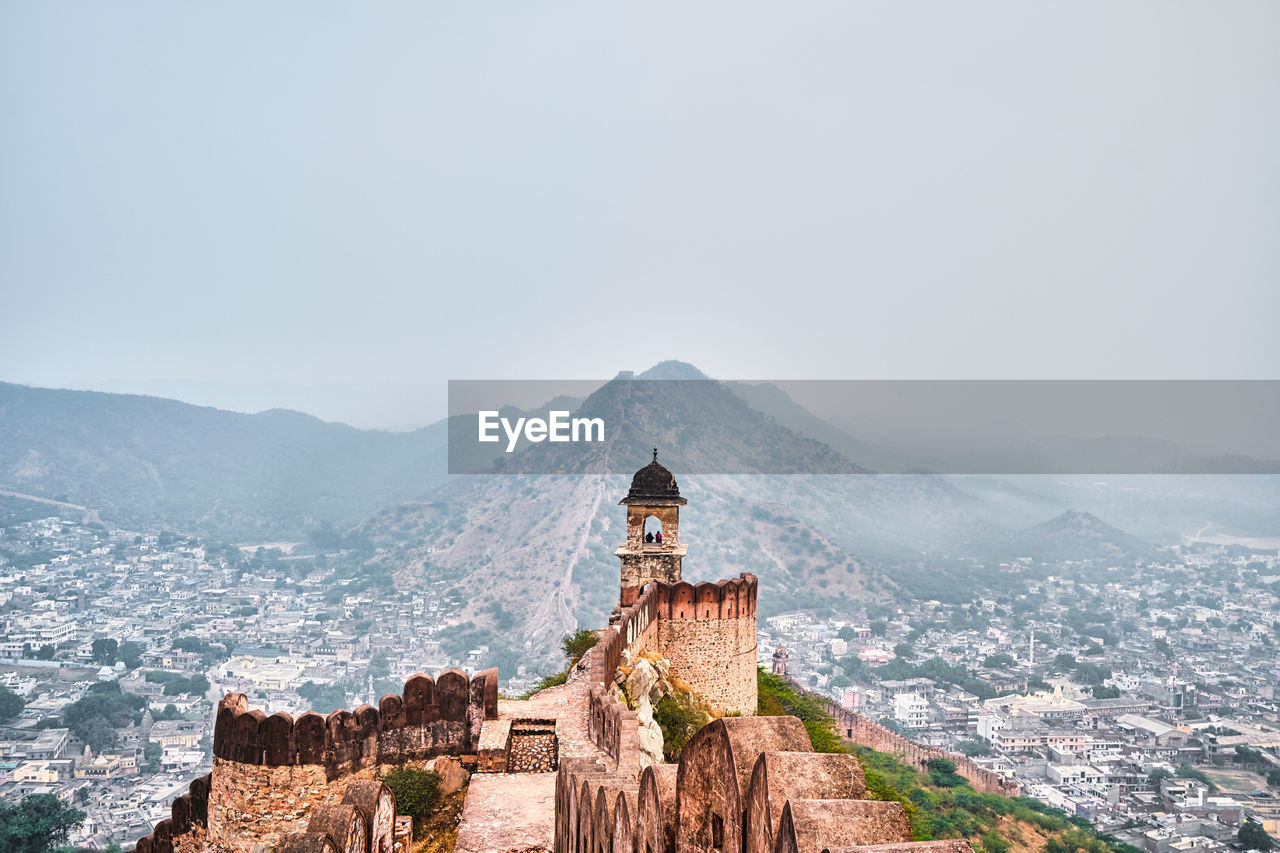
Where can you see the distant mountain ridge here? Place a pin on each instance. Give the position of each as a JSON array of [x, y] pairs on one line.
[[532, 554], [699, 425], [148, 461], [1077, 535]]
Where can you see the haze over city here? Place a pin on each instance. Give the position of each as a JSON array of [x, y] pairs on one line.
[[815, 427], [335, 212]]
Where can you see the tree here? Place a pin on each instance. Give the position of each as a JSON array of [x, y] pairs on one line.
[[105, 651], [972, 748], [11, 705], [131, 653], [152, 752], [417, 792], [942, 772], [1157, 775], [1088, 673], [879, 627], [37, 824], [94, 717], [1064, 661], [1254, 837], [175, 684], [904, 651], [324, 697], [1001, 660], [1247, 755], [97, 734], [1187, 771], [846, 633], [1273, 777], [577, 644]]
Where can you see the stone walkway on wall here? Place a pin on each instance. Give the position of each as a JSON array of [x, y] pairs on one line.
[[508, 811], [516, 811]]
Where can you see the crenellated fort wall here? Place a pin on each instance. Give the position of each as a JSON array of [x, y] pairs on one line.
[[270, 773], [867, 732], [708, 632], [748, 784], [744, 784]]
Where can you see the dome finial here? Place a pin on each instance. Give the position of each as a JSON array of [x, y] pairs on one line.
[[655, 454]]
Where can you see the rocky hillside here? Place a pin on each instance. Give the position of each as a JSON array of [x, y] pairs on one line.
[[534, 551]]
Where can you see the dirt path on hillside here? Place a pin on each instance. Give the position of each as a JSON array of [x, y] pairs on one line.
[[34, 498], [554, 616]]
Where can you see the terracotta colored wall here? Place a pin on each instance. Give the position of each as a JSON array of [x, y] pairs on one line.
[[708, 632], [868, 732], [269, 771]]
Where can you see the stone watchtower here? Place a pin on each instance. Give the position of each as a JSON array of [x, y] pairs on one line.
[[652, 551]]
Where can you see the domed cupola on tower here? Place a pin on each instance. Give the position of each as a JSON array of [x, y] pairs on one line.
[[652, 550]]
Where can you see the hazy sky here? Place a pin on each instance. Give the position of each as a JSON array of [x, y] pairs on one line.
[[339, 206]]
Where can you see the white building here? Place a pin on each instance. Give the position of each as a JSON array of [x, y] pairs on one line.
[[911, 710]]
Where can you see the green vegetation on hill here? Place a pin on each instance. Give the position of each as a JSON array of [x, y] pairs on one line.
[[939, 802], [680, 715], [577, 644], [574, 645], [776, 697]]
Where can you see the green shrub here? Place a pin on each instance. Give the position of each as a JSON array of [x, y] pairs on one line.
[[679, 716], [777, 697], [994, 842], [577, 644], [550, 681], [417, 792]]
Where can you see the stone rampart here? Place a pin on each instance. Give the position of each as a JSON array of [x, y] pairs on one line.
[[270, 772], [742, 784], [867, 732], [708, 632]]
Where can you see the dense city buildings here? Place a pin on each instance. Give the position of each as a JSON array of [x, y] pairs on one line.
[[1141, 697]]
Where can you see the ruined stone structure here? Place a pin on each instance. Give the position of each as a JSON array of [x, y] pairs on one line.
[[562, 770]]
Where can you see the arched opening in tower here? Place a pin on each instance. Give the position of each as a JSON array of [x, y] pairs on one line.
[[652, 530]]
